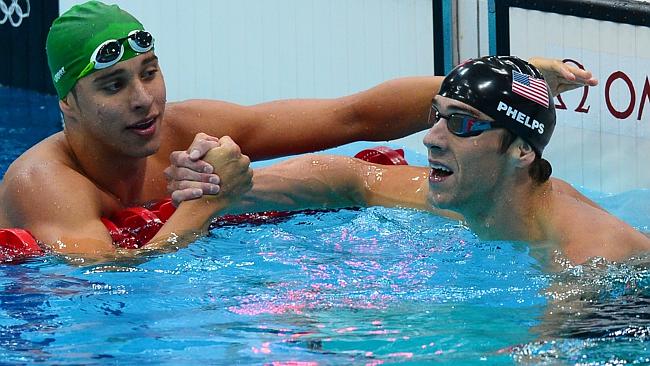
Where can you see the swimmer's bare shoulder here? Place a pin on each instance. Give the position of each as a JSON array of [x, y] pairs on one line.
[[44, 192], [583, 231], [565, 188], [47, 158]]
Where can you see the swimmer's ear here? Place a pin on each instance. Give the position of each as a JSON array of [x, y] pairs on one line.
[[523, 153], [64, 104], [68, 105]]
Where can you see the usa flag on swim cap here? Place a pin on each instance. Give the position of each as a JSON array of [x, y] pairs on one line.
[[530, 88]]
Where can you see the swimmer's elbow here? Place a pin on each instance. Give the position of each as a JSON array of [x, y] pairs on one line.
[[337, 181]]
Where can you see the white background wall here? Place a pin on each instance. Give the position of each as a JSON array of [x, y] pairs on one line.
[[473, 35], [250, 51], [595, 149]]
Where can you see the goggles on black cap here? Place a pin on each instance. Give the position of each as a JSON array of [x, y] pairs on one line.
[[461, 124], [508, 89]]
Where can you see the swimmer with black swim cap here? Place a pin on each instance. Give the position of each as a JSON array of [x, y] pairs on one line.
[[498, 117], [491, 121], [514, 94], [509, 90]]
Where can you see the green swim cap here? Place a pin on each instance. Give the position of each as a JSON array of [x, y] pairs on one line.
[[76, 34]]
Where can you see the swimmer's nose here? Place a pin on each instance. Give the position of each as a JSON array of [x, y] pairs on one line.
[[141, 97], [436, 137]]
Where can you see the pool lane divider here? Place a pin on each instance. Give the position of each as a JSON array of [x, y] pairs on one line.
[[133, 227]]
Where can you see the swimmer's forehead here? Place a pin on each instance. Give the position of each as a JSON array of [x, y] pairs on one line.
[[456, 106]]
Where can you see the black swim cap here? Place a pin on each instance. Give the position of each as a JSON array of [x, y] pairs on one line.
[[508, 89]]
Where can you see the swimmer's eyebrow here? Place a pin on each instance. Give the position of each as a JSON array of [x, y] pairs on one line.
[[108, 76], [148, 60], [465, 109]]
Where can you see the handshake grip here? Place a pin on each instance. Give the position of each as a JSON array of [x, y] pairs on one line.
[[233, 168]]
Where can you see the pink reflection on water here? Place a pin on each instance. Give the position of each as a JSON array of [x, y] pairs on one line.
[[266, 308], [356, 264], [293, 301], [346, 330], [322, 286], [383, 331], [297, 335], [367, 284], [401, 354], [360, 245], [265, 348], [374, 363]]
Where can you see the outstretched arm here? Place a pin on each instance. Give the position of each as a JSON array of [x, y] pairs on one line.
[[390, 110], [330, 181]]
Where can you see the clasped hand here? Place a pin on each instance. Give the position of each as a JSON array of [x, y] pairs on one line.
[[192, 172]]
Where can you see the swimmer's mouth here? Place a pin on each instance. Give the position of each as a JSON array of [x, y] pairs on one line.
[[439, 172], [143, 125]]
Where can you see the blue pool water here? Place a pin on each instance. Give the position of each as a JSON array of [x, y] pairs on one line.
[[352, 287]]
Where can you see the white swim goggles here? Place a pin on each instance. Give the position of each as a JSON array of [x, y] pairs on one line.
[[111, 52]]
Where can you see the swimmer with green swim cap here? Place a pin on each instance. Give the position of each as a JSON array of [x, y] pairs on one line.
[[120, 135], [91, 37]]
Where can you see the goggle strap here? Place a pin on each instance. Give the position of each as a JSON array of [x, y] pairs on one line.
[[87, 70]]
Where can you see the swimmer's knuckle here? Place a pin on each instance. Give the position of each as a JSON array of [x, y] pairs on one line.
[[183, 160], [198, 166], [182, 175], [185, 185], [230, 151], [175, 155], [227, 142]]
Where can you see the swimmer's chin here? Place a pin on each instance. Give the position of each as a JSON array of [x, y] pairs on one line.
[[435, 201]]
